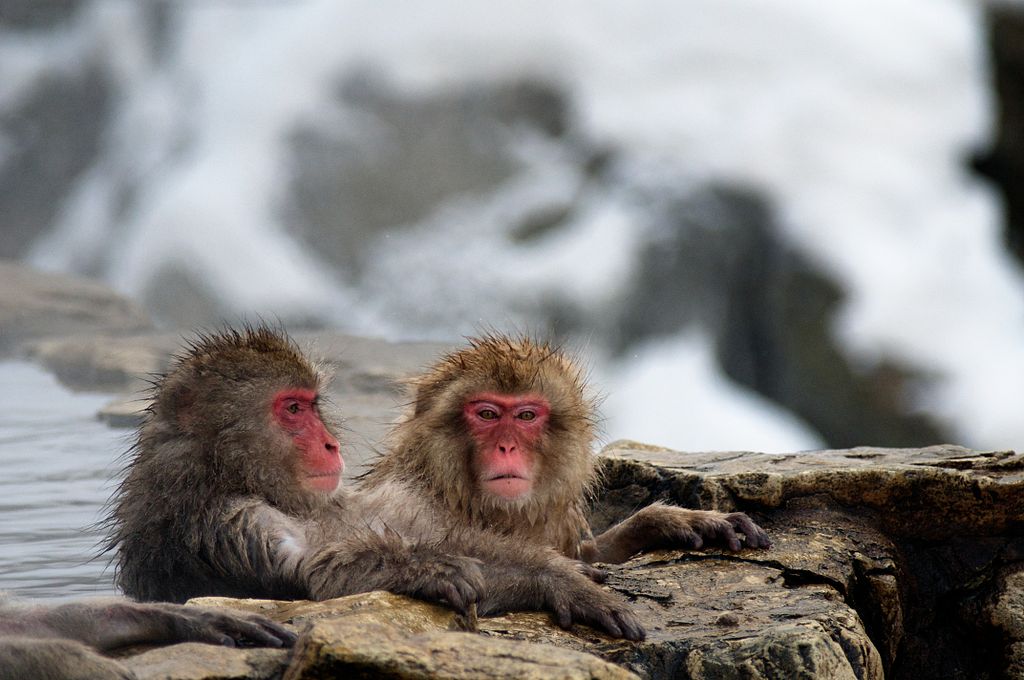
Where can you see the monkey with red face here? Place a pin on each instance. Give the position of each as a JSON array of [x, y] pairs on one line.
[[234, 490], [500, 436]]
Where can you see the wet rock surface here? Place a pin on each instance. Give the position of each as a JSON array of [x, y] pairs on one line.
[[36, 305], [924, 544]]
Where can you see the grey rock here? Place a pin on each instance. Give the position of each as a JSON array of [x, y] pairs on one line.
[[1005, 611], [383, 635], [715, 257], [921, 543], [37, 305], [195, 661]]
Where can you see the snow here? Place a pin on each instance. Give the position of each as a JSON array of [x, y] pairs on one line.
[[856, 117]]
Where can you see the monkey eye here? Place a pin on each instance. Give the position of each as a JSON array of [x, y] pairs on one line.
[[487, 414], [526, 415], [292, 408]]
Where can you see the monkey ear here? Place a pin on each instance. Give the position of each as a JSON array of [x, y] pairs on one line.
[[418, 390], [177, 404]]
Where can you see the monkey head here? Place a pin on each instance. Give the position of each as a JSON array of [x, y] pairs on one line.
[[504, 424], [246, 404]]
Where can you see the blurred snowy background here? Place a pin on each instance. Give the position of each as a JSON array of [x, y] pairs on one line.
[[764, 223]]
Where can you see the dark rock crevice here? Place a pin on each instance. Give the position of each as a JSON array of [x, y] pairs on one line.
[[918, 542]]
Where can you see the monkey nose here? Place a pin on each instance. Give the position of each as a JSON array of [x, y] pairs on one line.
[[507, 449], [331, 445]]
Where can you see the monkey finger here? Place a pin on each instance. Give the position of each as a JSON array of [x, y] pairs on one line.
[[685, 537], [235, 632], [602, 619], [631, 627], [208, 634], [264, 633], [252, 630], [471, 592], [593, 573], [563, 615], [729, 537], [455, 599], [287, 637], [756, 536]]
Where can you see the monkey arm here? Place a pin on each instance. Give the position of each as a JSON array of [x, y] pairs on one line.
[[26, 657], [272, 552], [524, 577], [366, 560], [659, 526], [253, 543], [106, 624]]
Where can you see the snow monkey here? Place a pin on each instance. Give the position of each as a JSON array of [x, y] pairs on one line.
[[499, 436], [234, 489], [65, 640]]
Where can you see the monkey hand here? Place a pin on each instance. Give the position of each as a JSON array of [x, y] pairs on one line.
[[436, 576], [110, 623], [695, 528], [664, 526], [574, 598], [224, 627], [755, 536], [595, 574]]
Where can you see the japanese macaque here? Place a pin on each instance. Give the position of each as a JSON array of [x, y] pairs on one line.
[[234, 489], [500, 436], [65, 640]]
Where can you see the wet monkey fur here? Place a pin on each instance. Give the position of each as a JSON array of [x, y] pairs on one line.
[[66, 640], [500, 436], [233, 489]]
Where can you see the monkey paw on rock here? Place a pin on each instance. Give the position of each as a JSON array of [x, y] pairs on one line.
[[583, 602], [454, 579], [695, 528], [660, 526], [221, 627]]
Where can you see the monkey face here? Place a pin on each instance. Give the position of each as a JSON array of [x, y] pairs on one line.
[[297, 412], [506, 430]]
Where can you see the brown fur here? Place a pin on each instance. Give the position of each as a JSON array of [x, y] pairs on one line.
[[431, 452], [212, 505]]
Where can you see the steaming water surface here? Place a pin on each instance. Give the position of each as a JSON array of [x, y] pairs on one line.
[[57, 464]]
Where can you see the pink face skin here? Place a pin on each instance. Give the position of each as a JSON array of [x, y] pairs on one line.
[[506, 429], [296, 411]]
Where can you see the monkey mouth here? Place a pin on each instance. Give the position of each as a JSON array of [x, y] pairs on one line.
[[324, 481], [509, 485]]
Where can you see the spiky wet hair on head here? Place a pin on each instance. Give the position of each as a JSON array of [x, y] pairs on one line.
[[507, 365], [230, 366]]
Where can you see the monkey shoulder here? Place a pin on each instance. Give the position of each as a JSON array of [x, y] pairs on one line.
[[395, 505]]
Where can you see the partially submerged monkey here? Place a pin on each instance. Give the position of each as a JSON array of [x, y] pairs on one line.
[[66, 640], [500, 436], [233, 490]]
